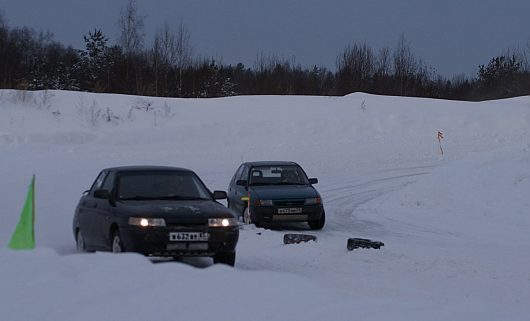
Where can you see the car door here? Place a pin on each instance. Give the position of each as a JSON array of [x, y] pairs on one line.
[[232, 188], [102, 214], [240, 191], [86, 211]]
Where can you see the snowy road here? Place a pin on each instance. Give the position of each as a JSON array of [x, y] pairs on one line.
[[455, 227], [341, 201], [343, 198]]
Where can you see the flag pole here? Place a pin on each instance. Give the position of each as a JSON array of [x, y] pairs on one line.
[[33, 209], [440, 137]]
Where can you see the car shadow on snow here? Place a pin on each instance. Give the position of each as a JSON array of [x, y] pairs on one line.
[[198, 262], [287, 227]]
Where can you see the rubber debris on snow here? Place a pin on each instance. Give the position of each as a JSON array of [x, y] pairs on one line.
[[355, 243], [298, 238]]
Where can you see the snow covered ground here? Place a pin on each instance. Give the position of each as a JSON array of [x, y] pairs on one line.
[[455, 227]]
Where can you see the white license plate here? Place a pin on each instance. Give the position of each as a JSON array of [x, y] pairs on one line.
[[189, 236], [292, 210]]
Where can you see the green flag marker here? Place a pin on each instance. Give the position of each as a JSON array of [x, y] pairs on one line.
[[24, 236]]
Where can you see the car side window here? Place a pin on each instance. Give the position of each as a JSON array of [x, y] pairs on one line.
[[237, 175], [98, 182], [244, 175], [108, 184]]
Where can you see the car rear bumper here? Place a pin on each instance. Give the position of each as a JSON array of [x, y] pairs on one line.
[[156, 242], [270, 214]]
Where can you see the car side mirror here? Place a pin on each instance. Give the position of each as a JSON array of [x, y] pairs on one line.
[[242, 182], [313, 181], [219, 195], [102, 193]]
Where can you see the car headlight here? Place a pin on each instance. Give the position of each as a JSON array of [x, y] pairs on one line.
[[313, 201], [222, 222], [266, 203], [145, 222]]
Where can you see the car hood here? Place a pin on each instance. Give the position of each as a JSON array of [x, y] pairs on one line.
[[284, 191], [180, 209]]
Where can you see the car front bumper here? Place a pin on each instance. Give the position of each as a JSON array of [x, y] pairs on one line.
[[268, 214], [155, 241]]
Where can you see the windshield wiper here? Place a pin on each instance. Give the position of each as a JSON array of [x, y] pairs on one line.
[[181, 198], [288, 183], [137, 198], [260, 184]]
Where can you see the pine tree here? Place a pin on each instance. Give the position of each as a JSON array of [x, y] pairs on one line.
[[499, 76], [95, 60]]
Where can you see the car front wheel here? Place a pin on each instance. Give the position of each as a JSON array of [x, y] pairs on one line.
[[80, 242], [116, 243], [225, 258], [318, 224], [246, 216]]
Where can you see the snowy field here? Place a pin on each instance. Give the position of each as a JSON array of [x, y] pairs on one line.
[[456, 227]]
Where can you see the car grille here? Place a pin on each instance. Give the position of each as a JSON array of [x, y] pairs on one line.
[[290, 202], [187, 223], [290, 218]]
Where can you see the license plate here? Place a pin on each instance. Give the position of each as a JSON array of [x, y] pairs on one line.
[[189, 236], [293, 210]]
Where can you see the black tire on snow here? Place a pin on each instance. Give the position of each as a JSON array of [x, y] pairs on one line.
[[247, 218], [80, 242], [225, 258], [318, 224]]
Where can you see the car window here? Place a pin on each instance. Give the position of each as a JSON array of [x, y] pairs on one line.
[[244, 174], [161, 185], [237, 175], [108, 184], [278, 175], [98, 182]]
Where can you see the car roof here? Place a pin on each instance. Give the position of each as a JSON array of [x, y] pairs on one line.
[[271, 163], [143, 168]]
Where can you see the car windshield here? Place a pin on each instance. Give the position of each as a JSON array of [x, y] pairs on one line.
[[278, 175], [161, 185]]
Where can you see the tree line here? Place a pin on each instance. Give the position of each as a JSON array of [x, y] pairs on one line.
[[32, 60]]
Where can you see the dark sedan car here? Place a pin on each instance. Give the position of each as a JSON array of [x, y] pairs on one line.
[[155, 211], [263, 192]]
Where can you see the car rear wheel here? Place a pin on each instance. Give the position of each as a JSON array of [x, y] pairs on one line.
[[225, 258], [80, 242], [318, 224], [116, 243]]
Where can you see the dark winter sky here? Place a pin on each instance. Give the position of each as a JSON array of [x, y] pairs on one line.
[[454, 36]]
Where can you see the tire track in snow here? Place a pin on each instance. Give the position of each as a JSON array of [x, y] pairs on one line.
[[341, 200]]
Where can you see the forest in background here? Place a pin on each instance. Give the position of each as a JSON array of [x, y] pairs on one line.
[[32, 60]]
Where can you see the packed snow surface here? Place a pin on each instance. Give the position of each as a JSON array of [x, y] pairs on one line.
[[455, 226]]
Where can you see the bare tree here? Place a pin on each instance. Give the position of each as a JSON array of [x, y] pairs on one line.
[[526, 54], [405, 64], [156, 60], [355, 66], [131, 37], [383, 65], [183, 51], [163, 54], [131, 26]]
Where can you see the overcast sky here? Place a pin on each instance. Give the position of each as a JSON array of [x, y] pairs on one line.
[[453, 36]]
